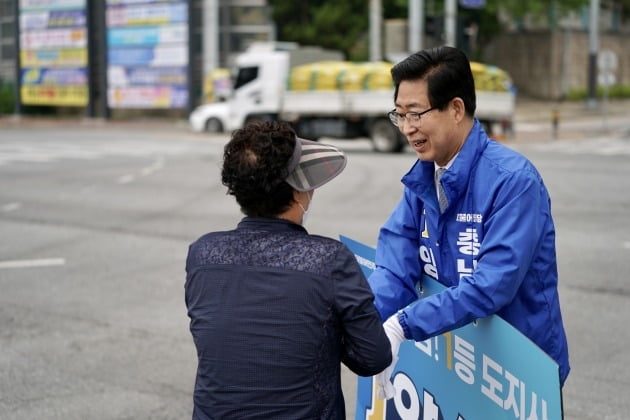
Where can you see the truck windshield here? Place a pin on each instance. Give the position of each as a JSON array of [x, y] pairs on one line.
[[245, 75]]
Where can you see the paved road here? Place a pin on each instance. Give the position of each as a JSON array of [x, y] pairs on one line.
[[95, 221]]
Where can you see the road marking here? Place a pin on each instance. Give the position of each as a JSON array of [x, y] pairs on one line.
[[35, 152], [126, 179], [43, 262], [157, 165], [11, 206]]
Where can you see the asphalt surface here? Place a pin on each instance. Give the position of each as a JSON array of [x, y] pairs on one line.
[[103, 334]]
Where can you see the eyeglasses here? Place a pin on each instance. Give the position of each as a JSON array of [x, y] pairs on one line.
[[413, 117]]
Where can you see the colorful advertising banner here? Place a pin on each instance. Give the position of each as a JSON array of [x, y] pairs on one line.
[[47, 5], [54, 38], [53, 52], [159, 56], [144, 76], [148, 97], [53, 19], [148, 35], [151, 13], [54, 95], [54, 58], [147, 53], [484, 370]]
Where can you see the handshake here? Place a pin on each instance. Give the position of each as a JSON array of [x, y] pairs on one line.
[[396, 336]]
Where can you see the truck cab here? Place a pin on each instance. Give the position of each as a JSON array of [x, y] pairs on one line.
[[258, 82]]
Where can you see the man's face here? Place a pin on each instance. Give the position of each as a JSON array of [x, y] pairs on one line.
[[434, 137]]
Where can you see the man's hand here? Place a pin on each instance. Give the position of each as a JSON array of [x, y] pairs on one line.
[[396, 336]]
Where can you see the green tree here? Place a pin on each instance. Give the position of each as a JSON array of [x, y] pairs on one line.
[[344, 25], [7, 102], [339, 25]]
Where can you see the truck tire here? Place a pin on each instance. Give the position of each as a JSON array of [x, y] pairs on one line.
[[213, 125], [385, 137]]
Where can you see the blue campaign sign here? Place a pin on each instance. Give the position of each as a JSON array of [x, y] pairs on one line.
[[484, 370]]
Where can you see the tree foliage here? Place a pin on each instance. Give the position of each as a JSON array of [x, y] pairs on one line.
[[339, 25], [344, 25], [6, 97]]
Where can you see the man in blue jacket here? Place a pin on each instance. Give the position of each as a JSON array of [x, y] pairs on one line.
[[474, 215]]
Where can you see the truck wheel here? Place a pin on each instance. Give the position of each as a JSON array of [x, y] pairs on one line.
[[385, 137], [213, 125]]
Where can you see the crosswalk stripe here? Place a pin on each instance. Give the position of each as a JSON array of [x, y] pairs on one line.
[[44, 262]]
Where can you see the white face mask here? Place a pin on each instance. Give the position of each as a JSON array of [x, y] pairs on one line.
[[308, 207]]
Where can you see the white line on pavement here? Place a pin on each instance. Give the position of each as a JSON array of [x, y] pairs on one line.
[[126, 179], [155, 166], [43, 262], [11, 206]]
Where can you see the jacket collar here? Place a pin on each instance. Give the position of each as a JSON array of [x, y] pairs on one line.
[[270, 224], [420, 179]]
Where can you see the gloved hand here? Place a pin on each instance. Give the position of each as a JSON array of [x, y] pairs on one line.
[[396, 336]]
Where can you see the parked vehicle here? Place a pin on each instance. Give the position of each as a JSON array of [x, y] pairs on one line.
[[332, 98]]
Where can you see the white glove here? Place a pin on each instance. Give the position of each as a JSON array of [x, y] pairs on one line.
[[396, 336]]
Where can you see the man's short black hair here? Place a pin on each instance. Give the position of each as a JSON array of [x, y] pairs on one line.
[[255, 167], [447, 73]]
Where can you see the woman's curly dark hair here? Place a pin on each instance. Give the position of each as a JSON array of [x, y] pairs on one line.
[[255, 164]]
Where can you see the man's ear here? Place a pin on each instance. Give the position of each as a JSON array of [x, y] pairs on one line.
[[459, 109]]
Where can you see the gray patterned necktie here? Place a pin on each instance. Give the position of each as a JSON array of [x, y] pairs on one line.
[[440, 191]]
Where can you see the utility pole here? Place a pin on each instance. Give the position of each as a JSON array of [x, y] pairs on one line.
[[210, 36], [416, 25], [376, 17], [17, 85], [593, 46], [450, 22]]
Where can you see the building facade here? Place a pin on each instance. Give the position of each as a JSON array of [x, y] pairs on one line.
[[218, 30], [7, 39]]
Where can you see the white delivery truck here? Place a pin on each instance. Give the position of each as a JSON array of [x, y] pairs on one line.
[[332, 98]]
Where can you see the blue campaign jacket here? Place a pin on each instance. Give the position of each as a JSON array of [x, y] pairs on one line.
[[493, 248]]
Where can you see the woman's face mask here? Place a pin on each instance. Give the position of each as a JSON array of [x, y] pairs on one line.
[[305, 211]]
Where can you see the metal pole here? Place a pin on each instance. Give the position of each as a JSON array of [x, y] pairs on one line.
[[210, 36], [450, 22], [92, 53], [192, 49], [593, 46], [104, 48], [17, 106], [416, 25], [376, 53]]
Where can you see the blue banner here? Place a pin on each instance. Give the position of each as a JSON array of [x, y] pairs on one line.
[[147, 14], [54, 76], [484, 370], [146, 76], [150, 57], [147, 52], [36, 5], [148, 35], [52, 19]]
